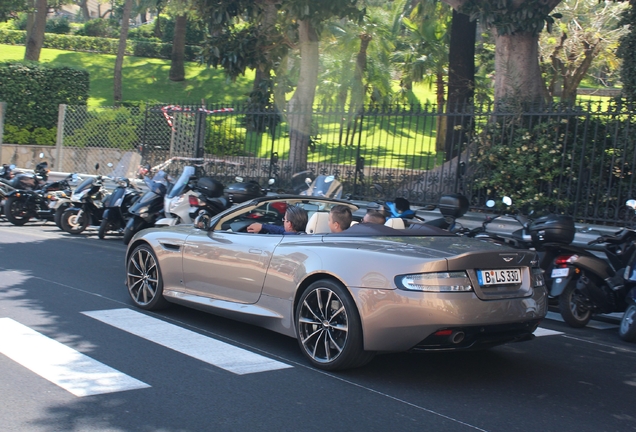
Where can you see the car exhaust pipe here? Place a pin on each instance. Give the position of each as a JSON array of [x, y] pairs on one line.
[[457, 337]]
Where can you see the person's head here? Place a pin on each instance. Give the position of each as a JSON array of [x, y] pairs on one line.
[[374, 216], [295, 219], [402, 204], [339, 218]]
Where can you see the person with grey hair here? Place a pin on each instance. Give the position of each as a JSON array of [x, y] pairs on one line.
[[294, 222]]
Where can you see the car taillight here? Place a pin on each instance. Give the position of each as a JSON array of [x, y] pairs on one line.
[[564, 260], [194, 201]]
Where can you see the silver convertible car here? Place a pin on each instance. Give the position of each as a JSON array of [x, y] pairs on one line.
[[344, 296]]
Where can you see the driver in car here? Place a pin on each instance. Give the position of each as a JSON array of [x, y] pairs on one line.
[[294, 222]]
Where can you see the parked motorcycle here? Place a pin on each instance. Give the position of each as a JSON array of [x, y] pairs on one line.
[[88, 206], [149, 208], [31, 199], [117, 206], [177, 207]]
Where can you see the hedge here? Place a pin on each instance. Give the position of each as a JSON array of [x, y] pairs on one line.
[[33, 92], [139, 48]]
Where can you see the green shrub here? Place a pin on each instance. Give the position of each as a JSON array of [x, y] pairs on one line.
[[34, 91], [101, 27], [16, 135], [108, 128], [44, 136], [58, 25], [224, 141], [143, 32]]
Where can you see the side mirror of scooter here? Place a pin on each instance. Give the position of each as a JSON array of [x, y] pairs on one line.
[[631, 204], [271, 181], [238, 179], [308, 181], [41, 155], [507, 200], [490, 203]]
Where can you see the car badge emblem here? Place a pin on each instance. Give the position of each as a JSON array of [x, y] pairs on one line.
[[507, 259]]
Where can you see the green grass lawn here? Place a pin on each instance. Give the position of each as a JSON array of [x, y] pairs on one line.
[[146, 79]]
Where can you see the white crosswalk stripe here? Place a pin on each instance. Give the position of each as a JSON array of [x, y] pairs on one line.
[[204, 348], [69, 369]]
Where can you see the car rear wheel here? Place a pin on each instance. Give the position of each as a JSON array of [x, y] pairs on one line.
[[627, 330], [328, 327], [143, 278], [573, 311]]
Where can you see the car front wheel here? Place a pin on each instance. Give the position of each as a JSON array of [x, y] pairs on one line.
[[143, 278], [328, 327]]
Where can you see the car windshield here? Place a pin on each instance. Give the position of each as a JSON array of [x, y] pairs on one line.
[[180, 185]]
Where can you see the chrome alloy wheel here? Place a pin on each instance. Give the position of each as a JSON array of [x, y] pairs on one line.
[[144, 279], [323, 325]]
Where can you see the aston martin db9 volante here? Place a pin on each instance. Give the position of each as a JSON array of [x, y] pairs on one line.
[[344, 296]]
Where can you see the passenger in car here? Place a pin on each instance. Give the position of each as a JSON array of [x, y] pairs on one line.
[[374, 216], [294, 222], [339, 218]]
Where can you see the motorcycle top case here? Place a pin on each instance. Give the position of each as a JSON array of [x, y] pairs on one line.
[[552, 229], [453, 205], [240, 192], [209, 187]]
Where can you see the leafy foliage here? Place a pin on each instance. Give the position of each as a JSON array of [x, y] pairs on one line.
[[113, 128], [531, 16], [224, 141], [33, 92]]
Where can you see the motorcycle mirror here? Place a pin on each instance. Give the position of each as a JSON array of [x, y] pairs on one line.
[[631, 204], [41, 155], [202, 222], [238, 179], [271, 181], [109, 165], [507, 200], [96, 166], [490, 203], [308, 181], [12, 167]]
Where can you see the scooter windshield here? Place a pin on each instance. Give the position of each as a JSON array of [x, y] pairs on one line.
[[158, 184], [326, 186], [84, 185], [181, 184]]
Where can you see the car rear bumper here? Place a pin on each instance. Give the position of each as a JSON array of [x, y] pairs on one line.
[[397, 320]]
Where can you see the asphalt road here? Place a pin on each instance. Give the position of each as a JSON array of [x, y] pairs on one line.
[[77, 356]]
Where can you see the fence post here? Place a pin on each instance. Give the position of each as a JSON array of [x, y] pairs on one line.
[[3, 108], [61, 115]]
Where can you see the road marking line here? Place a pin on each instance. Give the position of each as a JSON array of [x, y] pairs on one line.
[[204, 348], [63, 366], [540, 331]]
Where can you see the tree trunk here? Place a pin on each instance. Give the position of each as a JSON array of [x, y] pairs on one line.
[[84, 8], [156, 31], [517, 71], [301, 104], [177, 66], [461, 81], [36, 35], [121, 50]]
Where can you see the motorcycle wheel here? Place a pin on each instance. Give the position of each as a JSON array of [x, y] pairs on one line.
[[573, 312], [72, 222], [104, 227], [132, 227], [16, 211], [627, 330], [58, 214]]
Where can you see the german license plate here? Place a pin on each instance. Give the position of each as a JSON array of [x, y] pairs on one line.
[[499, 277], [560, 272]]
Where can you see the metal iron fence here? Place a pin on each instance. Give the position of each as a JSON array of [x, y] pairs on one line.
[[573, 161]]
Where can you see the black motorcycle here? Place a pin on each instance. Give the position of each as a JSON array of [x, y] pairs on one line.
[[146, 211], [32, 197], [87, 206], [117, 207]]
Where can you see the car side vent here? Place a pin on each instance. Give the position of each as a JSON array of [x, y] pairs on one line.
[[171, 247]]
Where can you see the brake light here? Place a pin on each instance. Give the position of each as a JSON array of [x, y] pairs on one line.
[[564, 260], [194, 201]]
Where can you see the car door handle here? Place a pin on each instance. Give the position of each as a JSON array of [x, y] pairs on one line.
[[256, 251]]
